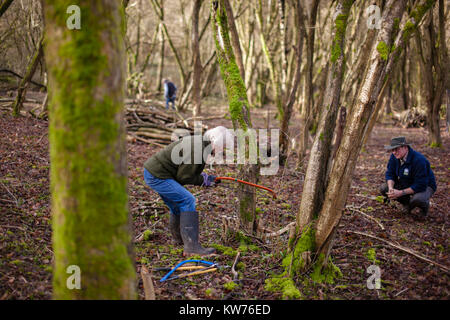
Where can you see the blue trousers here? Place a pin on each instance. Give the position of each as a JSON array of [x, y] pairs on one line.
[[174, 195], [168, 100]]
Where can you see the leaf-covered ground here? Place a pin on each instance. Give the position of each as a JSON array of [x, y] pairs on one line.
[[25, 225]]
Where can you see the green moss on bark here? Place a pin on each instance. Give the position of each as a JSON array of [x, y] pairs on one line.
[[236, 91], [340, 25], [88, 180], [326, 274], [284, 285], [383, 50]]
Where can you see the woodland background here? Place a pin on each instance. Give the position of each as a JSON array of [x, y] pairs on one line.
[[305, 67]]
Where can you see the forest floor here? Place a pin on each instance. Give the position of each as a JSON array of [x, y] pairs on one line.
[[25, 224]]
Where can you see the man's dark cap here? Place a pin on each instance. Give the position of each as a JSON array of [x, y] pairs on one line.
[[397, 142]]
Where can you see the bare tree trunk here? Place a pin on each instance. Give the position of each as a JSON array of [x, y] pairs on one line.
[[288, 106], [441, 66], [448, 111], [405, 81], [308, 103], [274, 76], [4, 6], [159, 10], [21, 92], [162, 54], [432, 60], [197, 68]]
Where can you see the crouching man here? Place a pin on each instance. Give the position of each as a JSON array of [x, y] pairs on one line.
[[409, 178]]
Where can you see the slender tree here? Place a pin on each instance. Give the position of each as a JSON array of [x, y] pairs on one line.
[[308, 97], [31, 69], [91, 226], [239, 109], [197, 68], [4, 5], [433, 57]]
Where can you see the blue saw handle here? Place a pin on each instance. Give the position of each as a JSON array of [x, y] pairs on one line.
[[183, 262]]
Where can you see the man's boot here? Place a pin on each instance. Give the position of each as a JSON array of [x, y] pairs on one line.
[[189, 234], [174, 226]]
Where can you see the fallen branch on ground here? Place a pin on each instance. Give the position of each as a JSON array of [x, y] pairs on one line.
[[233, 270], [402, 248], [365, 215], [280, 232], [149, 290]]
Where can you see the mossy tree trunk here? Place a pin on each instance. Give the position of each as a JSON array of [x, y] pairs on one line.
[[234, 38], [197, 68], [384, 55], [31, 69], [314, 241], [303, 248], [239, 110], [319, 161], [91, 225]]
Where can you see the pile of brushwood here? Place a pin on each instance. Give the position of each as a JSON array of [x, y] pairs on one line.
[[411, 118], [149, 122]]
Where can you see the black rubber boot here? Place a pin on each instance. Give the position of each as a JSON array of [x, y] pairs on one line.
[[189, 233], [174, 226]]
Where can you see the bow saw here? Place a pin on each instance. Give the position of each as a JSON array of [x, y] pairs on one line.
[[247, 183]]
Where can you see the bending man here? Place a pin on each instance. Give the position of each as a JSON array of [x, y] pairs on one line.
[[182, 163]]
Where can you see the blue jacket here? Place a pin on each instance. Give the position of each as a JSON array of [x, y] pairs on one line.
[[170, 90], [415, 173]]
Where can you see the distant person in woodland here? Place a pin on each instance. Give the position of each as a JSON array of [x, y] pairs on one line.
[[409, 178], [170, 93], [168, 171]]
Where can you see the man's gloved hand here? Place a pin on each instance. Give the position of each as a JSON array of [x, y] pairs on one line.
[[208, 180]]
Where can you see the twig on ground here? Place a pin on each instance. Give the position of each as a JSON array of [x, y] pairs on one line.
[[233, 270], [149, 290], [145, 140], [366, 215], [279, 232], [400, 292], [14, 227], [15, 199], [402, 248]]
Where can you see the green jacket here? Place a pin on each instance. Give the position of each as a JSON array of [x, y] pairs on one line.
[[186, 171]]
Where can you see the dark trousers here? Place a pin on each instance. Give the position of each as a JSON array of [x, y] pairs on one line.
[[421, 199]]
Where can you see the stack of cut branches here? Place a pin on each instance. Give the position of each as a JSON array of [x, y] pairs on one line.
[[411, 118], [152, 124]]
